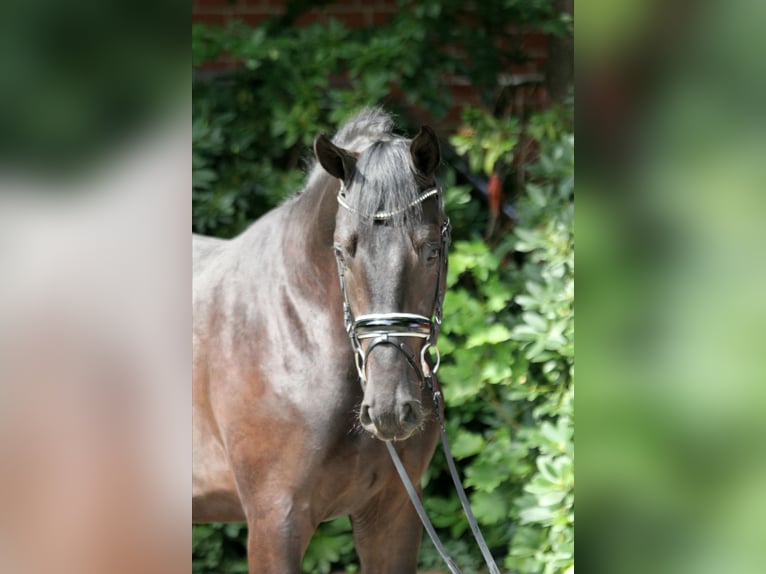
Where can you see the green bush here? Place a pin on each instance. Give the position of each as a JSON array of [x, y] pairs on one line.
[[507, 340]]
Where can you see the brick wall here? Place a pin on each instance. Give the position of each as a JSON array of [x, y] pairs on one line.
[[352, 13], [529, 92]]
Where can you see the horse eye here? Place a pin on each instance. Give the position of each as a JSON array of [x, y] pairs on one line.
[[431, 252], [338, 252], [345, 249]]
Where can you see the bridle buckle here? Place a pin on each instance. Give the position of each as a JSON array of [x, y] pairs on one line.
[[429, 371]]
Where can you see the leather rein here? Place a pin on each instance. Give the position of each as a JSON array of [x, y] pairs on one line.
[[389, 329]]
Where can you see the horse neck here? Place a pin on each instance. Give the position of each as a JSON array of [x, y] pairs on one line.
[[311, 226]]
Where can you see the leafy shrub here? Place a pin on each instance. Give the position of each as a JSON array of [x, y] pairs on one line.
[[518, 339], [219, 547]]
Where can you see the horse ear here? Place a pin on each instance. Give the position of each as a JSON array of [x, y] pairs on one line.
[[335, 160], [425, 151]]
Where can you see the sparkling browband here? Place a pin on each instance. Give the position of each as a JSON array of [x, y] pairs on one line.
[[388, 214]]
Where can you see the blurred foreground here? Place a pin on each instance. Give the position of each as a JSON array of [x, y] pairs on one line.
[[95, 199], [672, 273], [94, 430]]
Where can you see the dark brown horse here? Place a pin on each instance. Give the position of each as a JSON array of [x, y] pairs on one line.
[[284, 436]]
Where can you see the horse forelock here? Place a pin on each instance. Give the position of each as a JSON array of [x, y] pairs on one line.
[[365, 128], [384, 179]]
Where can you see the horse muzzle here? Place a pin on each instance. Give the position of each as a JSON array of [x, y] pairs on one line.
[[390, 409], [396, 423]]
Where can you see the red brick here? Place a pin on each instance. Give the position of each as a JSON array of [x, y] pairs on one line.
[[268, 10], [526, 68], [218, 3], [213, 19], [307, 18], [218, 65], [264, 3], [379, 18], [364, 13], [534, 42], [253, 18], [349, 19]]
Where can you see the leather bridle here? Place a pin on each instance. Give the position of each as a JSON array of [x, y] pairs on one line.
[[390, 329]]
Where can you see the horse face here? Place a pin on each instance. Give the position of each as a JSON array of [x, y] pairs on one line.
[[390, 270], [389, 267]]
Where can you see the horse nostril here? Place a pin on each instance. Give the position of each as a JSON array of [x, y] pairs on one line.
[[409, 414], [364, 416]]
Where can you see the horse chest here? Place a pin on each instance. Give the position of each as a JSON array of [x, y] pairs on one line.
[[348, 476]]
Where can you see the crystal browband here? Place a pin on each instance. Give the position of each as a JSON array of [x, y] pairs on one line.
[[388, 214]]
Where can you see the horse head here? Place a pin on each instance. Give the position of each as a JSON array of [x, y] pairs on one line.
[[390, 245]]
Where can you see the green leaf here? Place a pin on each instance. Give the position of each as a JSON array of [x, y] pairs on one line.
[[497, 372], [536, 195], [535, 321], [460, 384], [537, 514], [202, 178], [490, 336], [489, 507], [467, 444], [485, 476], [551, 498], [557, 436], [548, 468]]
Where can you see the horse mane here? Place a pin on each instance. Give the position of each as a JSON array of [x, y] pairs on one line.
[[384, 179], [366, 127]]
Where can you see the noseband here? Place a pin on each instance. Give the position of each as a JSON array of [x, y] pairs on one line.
[[391, 328]]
